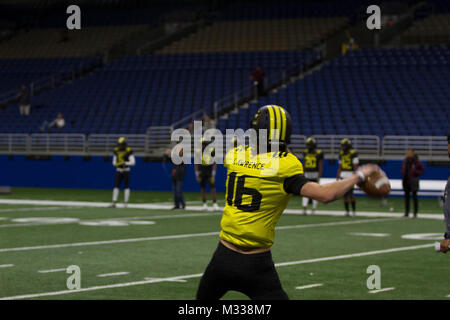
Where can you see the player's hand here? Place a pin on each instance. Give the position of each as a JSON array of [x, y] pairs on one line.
[[368, 169], [445, 243]]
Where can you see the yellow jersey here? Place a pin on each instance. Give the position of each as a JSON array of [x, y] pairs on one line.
[[257, 192], [122, 156], [348, 160]]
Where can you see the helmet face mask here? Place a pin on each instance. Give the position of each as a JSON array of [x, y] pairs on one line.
[[122, 143], [346, 144], [311, 143], [277, 121]]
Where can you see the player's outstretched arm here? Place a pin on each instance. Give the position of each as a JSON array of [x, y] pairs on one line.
[[335, 190]]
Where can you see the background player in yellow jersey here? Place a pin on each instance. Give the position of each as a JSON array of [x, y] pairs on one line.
[[123, 159], [206, 173], [313, 163], [348, 163], [258, 188]]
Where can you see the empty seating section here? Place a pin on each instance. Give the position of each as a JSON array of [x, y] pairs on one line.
[[133, 93], [290, 9], [373, 92], [45, 43], [257, 35], [15, 72], [434, 29]]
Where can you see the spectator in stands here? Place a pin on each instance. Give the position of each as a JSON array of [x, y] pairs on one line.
[[208, 123], [177, 175], [350, 44], [24, 101], [257, 76], [412, 168], [59, 123]]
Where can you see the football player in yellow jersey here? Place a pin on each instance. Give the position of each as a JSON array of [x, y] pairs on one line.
[[313, 163], [258, 188], [348, 163], [123, 159], [206, 173]]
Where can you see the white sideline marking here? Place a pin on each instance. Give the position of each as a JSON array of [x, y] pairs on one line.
[[381, 290], [366, 234], [37, 209], [113, 274], [6, 265], [160, 206], [181, 236], [52, 270], [198, 275], [309, 286]]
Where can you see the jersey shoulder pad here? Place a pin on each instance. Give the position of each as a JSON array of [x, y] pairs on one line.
[[290, 166], [319, 151]]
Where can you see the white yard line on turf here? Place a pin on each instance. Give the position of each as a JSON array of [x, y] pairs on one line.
[[52, 270], [165, 280], [198, 275], [381, 290], [309, 286], [6, 265], [353, 255], [113, 274], [366, 234], [182, 236], [159, 206]]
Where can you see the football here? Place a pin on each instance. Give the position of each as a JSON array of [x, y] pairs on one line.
[[377, 184]]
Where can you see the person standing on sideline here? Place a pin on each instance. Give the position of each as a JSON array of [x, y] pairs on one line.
[[313, 163], [205, 173], [348, 163], [258, 80], [177, 175], [445, 243], [412, 168], [24, 101], [123, 159]]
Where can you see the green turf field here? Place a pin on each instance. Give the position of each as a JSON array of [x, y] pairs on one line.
[[160, 254]]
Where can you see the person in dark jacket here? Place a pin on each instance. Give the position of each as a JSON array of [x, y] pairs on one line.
[[412, 169], [177, 175], [258, 80], [445, 243]]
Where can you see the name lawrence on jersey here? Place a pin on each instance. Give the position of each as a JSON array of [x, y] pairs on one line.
[[258, 189]]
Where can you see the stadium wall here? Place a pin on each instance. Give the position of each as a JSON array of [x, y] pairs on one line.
[[98, 173]]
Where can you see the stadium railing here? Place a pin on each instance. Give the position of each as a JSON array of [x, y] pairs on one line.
[[248, 93], [367, 146], [103, 144], [157, 139], [55, 143], [427, 147]]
